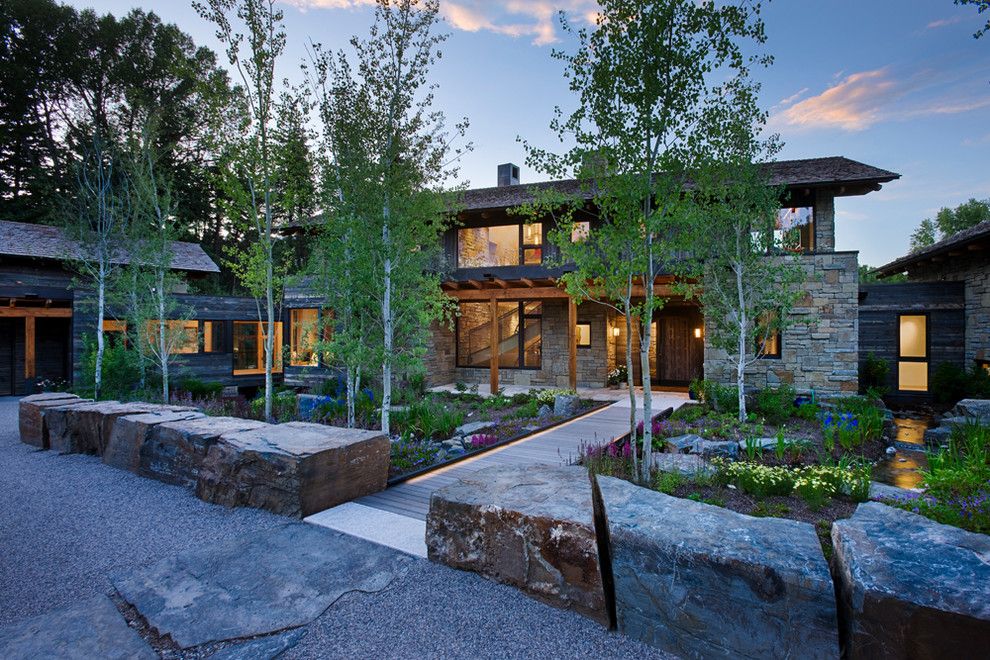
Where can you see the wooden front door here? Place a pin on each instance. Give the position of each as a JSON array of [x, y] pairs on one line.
[[680, 354]]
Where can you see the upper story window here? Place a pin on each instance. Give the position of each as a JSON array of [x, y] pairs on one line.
[[303, 337], [502, 245], [795, 229]]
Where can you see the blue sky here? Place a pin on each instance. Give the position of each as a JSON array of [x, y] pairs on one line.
[[900, 84]]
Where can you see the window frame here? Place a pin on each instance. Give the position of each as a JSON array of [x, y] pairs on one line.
[[578, 334], [758, 349], [521, 247], [812, 232], [278, 365], [521, 310], [926, 359], [292, 337], [208, 350]]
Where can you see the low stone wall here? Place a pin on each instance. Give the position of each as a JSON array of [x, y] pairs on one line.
[[703, 581], [293, 469]]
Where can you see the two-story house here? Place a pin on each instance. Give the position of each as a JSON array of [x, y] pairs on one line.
[[508, 298]]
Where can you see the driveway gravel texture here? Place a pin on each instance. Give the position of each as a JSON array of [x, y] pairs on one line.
[[69, 521]]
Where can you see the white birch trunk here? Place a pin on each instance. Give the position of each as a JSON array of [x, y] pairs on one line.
[[741, 347], [388, 326], [101, 285]]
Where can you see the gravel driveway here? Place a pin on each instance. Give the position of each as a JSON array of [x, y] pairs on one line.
[[68, 521]]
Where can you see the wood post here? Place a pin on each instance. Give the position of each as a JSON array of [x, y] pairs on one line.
[[572, 342], [29, 348], [494, 351]]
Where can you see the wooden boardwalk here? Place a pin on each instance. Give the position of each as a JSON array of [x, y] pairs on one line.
[[558, 446]]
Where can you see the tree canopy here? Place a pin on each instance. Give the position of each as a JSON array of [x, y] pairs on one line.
[[949, 221]]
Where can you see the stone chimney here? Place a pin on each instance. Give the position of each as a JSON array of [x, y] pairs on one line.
[[508, 175]]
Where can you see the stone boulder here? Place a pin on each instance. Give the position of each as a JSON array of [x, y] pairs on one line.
[[910, 587], [685, 464], [86, 428], [566, 405], [701, 581], [175, 450], [715, 448], [471, 428], [294, 469], [937, 437], [31, 419], [683, 443], [130, 432], [973, 408], [530, 527]]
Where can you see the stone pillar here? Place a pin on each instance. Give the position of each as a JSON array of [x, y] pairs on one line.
[[824, 213]]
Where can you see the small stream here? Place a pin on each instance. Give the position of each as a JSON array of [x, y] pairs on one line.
[[903, 468]]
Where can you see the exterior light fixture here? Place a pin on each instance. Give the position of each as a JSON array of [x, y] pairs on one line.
[[615, 331], [697, 333]]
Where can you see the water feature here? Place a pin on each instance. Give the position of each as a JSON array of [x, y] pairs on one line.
[[903, 468]]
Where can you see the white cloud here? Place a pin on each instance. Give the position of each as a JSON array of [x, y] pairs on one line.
[[943, 22]]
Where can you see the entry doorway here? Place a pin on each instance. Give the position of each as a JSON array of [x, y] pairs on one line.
[[680, 346]]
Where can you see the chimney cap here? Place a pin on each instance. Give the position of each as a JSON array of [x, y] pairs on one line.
[[508, 175]]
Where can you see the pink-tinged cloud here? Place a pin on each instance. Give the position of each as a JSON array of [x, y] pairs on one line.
[[536, 19], [865, 98], [943, 22]]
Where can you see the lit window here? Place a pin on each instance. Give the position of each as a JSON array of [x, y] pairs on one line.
[[249, 347], [115, 332], [181, 337], [795, 229], [767, 337], [583, 335], [912, 351], [212, 332], [303, 333], [580, 231], [503, 245], [520, 334]]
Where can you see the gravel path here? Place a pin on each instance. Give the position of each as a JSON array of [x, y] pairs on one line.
[[68, 521]]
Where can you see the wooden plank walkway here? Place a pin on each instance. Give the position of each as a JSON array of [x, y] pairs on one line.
[[558, 446]]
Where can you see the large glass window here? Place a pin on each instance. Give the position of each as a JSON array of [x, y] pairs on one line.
[[583, 335], [795, 229], [181, 336], [303, 334], [249, 347], [520, 334], [213, 338], [912, 350], [503, 245]]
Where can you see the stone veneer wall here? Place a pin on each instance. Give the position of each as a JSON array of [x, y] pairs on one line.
[[820, 351], [593, 362], [974, 270]]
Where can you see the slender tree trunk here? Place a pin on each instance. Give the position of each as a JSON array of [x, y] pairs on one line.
[[270, 335], [631, 385], [644, 356], [741, 347], [389, 329], [136, 316], [101, 285], [163, 347]]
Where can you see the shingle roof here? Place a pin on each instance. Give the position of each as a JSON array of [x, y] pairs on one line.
[[19, 239], [979, 232], [810, 172]]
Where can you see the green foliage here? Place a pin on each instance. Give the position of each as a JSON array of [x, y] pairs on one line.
[[868, 276], [428, 418], [776, 404], [689, 413], [873, 373], [949, 221], [199, 389], [529, 409], [121, 372], [951, 383], [808, 411], [283, 407], [721, 398], [547, 396], [752, 448], [765, 509], [814, 483], [668, 482], [409, 454]]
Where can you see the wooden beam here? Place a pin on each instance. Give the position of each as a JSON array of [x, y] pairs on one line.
[[35, 312], [494, 350], [528, 282], [452, 285], [538, 293], [29, 348], [572, 343], [501, 283], [475, 283]]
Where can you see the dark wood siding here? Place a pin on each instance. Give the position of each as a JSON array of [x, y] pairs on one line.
[[882, 304]]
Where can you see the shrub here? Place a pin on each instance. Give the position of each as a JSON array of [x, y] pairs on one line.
[[808, 411], [529, 409], [428, 418], [609, 459], [689, 413], [283, 407], [121, 370], [873, 373], [409, 454], [951, 383], [776, 404], [546, 397], [618, 375], [721, 398], [668, 482], [199, 389]]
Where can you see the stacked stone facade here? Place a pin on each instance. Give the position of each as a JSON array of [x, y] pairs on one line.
[[820, 349], [972, 268]]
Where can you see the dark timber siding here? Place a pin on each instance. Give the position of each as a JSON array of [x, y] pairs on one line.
[[882, 304]]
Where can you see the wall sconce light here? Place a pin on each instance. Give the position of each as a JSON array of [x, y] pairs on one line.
[[615, 331], [697, 333]]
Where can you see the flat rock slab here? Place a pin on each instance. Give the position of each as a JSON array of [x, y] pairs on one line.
[[30, 419], [266, 582], [294, 469], [683, 443], [90, 629], [175, 450], [130, 432], [529, 527], [911, 587], [702, 581], [260, 648], [86, 428], [685, 464]]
